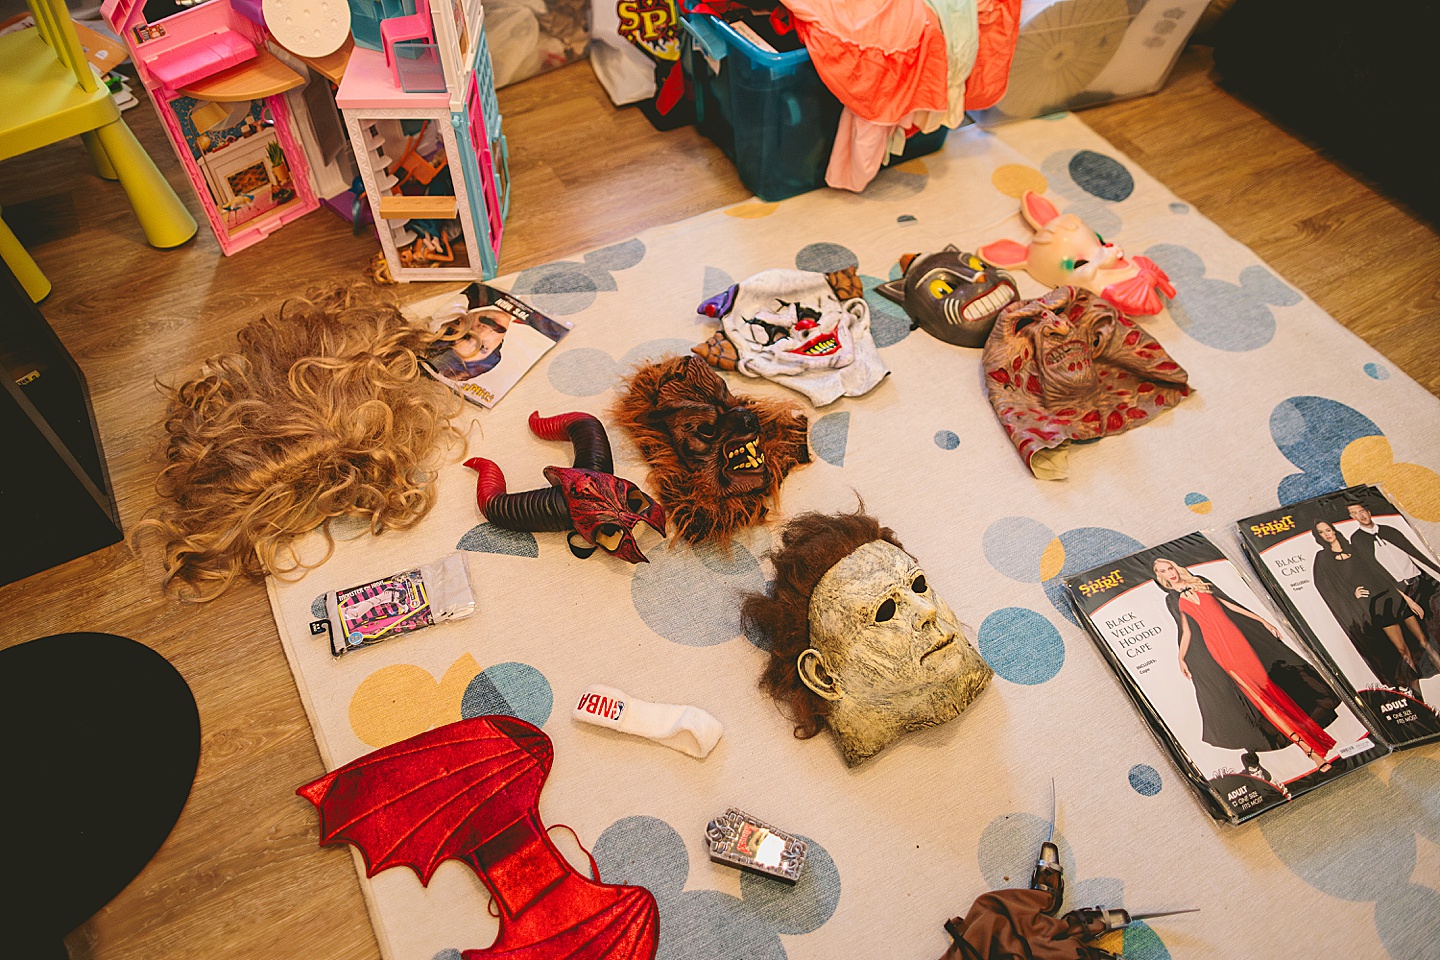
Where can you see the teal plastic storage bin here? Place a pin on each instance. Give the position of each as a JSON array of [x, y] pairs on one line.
[[365, 17], [769, 112]]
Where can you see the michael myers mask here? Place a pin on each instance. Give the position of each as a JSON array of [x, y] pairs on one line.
[[1069, 366], [951, 295], [790, 327], [871, 651]]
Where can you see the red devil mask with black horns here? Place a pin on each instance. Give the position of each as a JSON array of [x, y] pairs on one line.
[[587, 498]]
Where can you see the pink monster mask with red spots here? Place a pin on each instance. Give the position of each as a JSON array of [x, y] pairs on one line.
[[1069, 366]]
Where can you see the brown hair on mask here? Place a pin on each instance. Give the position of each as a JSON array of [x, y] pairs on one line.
[[716, 458], [810, 545]]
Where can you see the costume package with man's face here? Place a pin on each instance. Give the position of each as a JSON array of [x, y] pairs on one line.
[[1069, 366], [790, 326], [716, 459], [951, 295]]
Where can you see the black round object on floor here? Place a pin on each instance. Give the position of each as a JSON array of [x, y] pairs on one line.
[[102, 738]]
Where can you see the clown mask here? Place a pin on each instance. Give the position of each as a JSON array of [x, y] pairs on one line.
[[1070, 366], [951, 295], [1066, 252], [790, 327], [885, 651]]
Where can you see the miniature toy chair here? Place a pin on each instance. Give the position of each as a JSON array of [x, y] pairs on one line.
[[395, 30], [51, 94]]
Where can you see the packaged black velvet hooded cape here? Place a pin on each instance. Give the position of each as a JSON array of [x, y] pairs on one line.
[[1229, 719]]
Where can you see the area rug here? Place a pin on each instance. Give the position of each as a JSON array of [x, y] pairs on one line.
[[1286, 404]]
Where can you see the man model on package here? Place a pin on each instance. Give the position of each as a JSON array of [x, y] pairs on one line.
[[1395, 553]]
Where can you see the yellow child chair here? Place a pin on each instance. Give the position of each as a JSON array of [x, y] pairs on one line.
[[48, 94]]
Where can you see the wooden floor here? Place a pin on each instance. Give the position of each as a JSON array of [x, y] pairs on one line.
[[241, 875]]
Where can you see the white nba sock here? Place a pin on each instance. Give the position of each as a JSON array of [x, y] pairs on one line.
[[687, 729]]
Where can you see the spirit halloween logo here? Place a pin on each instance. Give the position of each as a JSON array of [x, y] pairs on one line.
[[1271, 527], [1100, 584], [651, 26]]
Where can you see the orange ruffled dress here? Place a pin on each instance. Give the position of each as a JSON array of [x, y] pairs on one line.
[[999, 32], [884, 60], [881, 58]]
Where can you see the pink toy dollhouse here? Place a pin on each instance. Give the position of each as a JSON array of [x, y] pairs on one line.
[[425, 128], [219, 92]]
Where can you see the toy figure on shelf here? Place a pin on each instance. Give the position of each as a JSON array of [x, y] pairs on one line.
[[1065, 251], [600, 508], [423, 170], [859, 640], [717, 459], [470, 791], [790, 326], [951, 295], [1069, 366], [1020, 924]]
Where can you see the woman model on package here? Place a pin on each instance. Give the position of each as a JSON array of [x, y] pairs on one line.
[[1372, 608], [1254, 692]]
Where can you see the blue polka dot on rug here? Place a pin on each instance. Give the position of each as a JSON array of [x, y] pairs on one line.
[[1220, 314], [566, 287], [825, 258], [1086, 547], [512, 689], [488, 538], [1023, 549], [1021, 646], [829, 436], [1143, 943], [889, 323], [1312, 433], [687, 594], [1145, 779], [1103, 176], [708, 924]]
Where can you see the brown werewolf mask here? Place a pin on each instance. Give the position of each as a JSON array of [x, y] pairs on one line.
[[716, 459]]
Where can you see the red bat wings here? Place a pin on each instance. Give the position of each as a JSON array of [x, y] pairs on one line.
[[469, 791]]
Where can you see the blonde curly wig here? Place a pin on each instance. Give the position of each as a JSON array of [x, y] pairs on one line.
[[323, 413]]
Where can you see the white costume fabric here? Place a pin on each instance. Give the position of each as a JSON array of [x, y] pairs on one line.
[[625, 72], [961, 24]]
